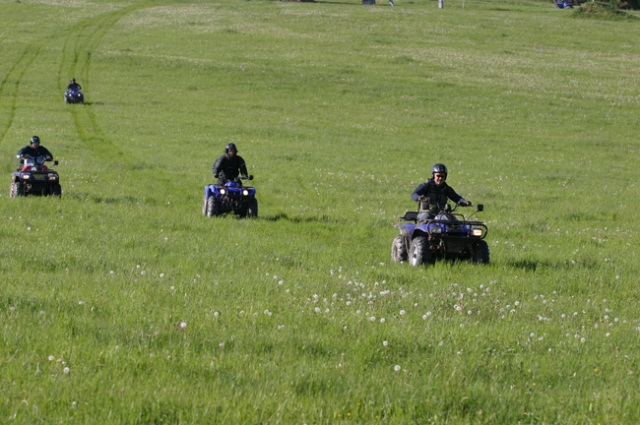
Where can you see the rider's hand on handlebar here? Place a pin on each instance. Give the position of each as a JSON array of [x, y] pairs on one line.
[[422, 198], [464, 203]]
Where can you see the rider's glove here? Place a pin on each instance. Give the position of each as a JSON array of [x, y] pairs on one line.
[[422, 198], [464, 203], [244, 177]]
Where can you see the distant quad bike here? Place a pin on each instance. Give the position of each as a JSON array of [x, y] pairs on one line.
[[232, 197], [446, 237], [74, 96], [35, 179]]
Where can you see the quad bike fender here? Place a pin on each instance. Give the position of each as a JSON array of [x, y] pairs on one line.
[[410, 231], [209, 190]]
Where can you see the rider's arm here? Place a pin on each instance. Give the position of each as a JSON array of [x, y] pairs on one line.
[[243, 168], [451, 194], [45, 152], [216, 166], [418, 192]]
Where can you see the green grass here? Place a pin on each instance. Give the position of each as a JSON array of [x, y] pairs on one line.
[[163, 316]]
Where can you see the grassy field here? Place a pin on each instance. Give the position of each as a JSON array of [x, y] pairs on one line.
[[121, 304]]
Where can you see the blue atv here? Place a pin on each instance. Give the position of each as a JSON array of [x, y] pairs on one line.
[[448, 236], [74, 95], [232, 197], [35, 178]]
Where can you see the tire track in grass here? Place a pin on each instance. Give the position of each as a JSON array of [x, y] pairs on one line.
[[79, 45], [10, 86]]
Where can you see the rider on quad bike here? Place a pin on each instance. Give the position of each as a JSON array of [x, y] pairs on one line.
[[35, 150], [229, 166], [434, 193], [33, 177], [73, 85], [434, 232], [74, 93], [228, 195]]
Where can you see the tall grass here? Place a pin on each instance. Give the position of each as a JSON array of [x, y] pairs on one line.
[[120, 303]]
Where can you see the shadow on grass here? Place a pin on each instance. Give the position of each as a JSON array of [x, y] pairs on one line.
[[344, 3], [111, 200], [285, 217], [539, 265]]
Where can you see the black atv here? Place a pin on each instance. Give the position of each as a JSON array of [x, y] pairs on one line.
[[448, 236], [34, 178]]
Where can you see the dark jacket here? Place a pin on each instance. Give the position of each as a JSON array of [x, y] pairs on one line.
[[229, 167], [74, 86], [35, 152], [436, 196]]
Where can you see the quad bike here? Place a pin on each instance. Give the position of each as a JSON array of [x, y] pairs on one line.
[[35, 178], [232, 197], [448, 236], [74, 96]]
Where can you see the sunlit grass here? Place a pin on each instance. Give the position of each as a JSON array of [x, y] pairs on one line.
[[121, 303]]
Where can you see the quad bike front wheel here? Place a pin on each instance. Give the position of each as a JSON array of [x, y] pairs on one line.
[[419, 251], [481, 252], [211, 207], [399, 250], [252, 209], [56, 190], [16, 189]]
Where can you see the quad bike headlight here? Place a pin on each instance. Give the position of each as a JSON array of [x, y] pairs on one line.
[[435, 230], [26, 176], [477, 231], [222, 191], [245, 192], [53, 177]]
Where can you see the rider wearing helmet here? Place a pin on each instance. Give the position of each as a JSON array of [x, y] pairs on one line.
[[34, 149], [229, 166], [434, 193], [73, 85]]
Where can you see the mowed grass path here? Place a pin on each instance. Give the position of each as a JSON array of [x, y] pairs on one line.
[[120, 303]]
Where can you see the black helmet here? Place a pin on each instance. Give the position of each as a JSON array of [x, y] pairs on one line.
[[440, 169], [35, 139], [230, 146]]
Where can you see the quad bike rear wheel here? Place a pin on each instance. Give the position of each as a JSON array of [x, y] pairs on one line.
[[399, 250], [419, 251]]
